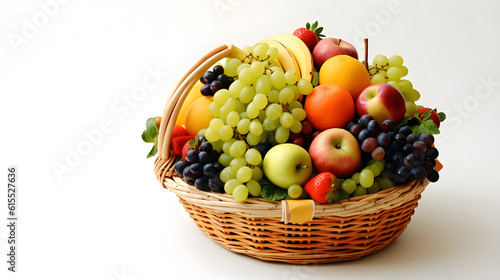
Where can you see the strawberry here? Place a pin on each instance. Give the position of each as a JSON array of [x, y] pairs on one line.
[[423, 116], [177, 143], [185, 148], [325, 188], [178, 131], [310, 35]]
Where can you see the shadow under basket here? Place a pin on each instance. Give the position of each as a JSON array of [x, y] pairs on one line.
[[345, 230]]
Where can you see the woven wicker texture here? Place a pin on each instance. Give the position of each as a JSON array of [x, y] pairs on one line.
[[345, 230]]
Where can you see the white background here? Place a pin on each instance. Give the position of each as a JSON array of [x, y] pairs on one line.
[[68, 67]]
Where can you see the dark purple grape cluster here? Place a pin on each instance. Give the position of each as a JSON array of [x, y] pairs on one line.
[[214, 80], [201, 167], [374, 138], [411, 156]]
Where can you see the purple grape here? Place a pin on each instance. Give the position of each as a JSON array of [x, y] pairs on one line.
[[196, 168], [201, 183], [418, 172], [427, 138], [192, 156], [363, 134], [405, 130], [209, 169], [427, 166], [218, 69], [398, 158], [201, 139], [384, 140], [364, 120], [433, 176], [391, 133], [419, 147], [215, 86], [215, 184], [203, 157], [348, 125], [355, 129], [206, 91], [404, 172], [387, 125], [411, 160], [373, 126], [400, 139], [407, 148], [202, 80], [209, 77], [179, 166], [224, 80], [206, 146], [218, 166], [412, 138], [369, 144], [213, 156], [432, 152], [188, 175]]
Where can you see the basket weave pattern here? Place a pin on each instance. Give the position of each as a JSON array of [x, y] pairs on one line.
[[345, 230]]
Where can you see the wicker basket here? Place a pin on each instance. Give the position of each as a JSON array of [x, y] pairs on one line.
[[346, 230]]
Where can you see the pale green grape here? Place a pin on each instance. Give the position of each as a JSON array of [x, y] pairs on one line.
[[235, 88], [215, 124], [256, 127], [253, 157], [257, 69], [295, 104], [385, 183], [270, 125], [240, 107], [244, 174], [252, 110], [248, 49], [296, 127], [253, 139], [404, 70], [272, 53], [410, 108], [214, 109], [260, 100], [380, 61], [263, 84], [299, 114], [246, 76], [349, 185], [237, 163], [232, 119], [366, 178], [238, 149], [379, 163], [257, 173], [217, 145], [262, 115], [394, 84], [263, 138], [278, 80], [383, 73], [360, 191], [221, 96], [286, 95], [225, 110], [240, 193], [376, 170], [230, 185], [260, 51], [243, 126], [304, 86], [290, 77], [374, 188], [231, 67], [405, 86], [412, 95], [295, 191], [227, 144], [225, 133], [286, 120], [273, 96], [355, 177], [271, 136], [377, 79], [225, 159], [394, 74], [212, 135], [274, 111], [295, 90], [227, 174], [282, 134], [254, 188], [247, 94], [241, 67], [395, 60]]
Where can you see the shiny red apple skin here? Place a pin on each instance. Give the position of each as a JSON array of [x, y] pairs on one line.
[[330, 47], [382, 101]]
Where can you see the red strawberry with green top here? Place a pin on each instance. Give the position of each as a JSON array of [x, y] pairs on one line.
[[185, 149], [424, 114], [178, 143], [310, 35], [325, 188], [178, 131]]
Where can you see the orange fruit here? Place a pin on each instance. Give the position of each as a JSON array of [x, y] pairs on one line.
[[329, 106], [345, 71], [197, 115], [193, 94]]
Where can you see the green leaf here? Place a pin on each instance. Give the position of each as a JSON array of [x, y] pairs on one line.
[[153, 151], [427, 114], [416, 114], [308, 25], [428, 126], [410, 121], [270, 191], [314, 25], [318, 30], [442, 116]]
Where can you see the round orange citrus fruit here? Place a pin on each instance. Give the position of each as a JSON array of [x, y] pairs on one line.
[[329, 106], [193, 94], [345, 71], [197, 115]]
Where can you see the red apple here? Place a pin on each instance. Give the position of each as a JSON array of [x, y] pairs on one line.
[[330, 47], [382, 101], [337, 151]]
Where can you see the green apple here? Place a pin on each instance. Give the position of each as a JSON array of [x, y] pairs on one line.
[[287, 164]]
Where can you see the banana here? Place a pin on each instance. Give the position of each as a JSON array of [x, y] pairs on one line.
[[300, 51], [285, 57], [237, 53]]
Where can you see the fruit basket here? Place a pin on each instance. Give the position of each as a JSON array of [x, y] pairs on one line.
[[348, 229]]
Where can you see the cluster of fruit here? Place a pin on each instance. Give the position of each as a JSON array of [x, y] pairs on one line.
[[214, 80], [299, 116]]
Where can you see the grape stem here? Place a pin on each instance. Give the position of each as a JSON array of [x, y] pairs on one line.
[[366, 53]]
